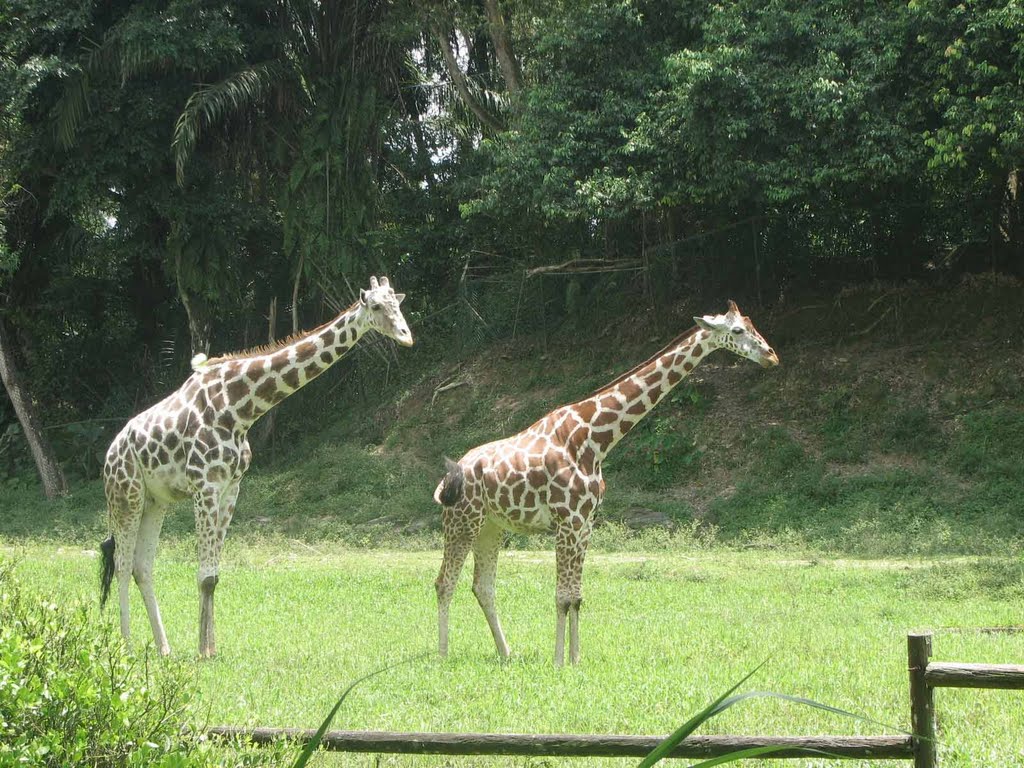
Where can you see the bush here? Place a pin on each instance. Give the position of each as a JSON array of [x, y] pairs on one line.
[[72, 695]]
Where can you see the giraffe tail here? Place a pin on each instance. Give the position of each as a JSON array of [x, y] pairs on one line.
[[106, 569], [450, 489]]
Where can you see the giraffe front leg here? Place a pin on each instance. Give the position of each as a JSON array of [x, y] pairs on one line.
[[209, 563], [208, 574], [209, 538], [485, 567], [561, 607], [570, 551]]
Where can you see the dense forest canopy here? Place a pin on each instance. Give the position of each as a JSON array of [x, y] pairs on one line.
[[180, 176]]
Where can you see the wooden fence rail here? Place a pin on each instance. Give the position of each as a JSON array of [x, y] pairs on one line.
[[945, 675], [557, 745], [925, 676]]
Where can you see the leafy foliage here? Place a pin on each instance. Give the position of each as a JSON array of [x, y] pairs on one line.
[[169, 170], [70, 694]]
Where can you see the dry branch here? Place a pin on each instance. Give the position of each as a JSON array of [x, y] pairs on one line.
[[586, 266], [446, 387]]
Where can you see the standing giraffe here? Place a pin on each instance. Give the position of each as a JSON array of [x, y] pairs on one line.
[[193, 444], [548, 477]]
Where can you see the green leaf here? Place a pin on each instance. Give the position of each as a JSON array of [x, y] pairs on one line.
[[672, 741], [314, 743]]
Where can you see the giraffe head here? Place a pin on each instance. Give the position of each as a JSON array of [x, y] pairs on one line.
[[380, 305], [734, 331]]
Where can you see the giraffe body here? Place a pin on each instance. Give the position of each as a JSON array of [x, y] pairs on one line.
[[548, 477], [193, 444]]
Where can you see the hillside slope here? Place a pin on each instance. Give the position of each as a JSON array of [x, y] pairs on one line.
[[895, 425]]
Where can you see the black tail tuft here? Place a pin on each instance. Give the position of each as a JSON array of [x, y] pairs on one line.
[[452, 485], [106, 569]]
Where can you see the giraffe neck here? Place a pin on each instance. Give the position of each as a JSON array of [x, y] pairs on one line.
[[254, 385], [614, 410]]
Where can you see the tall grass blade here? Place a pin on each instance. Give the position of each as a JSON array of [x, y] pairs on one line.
[[728, 699], [314, 743], [812, 703], [672, 741]]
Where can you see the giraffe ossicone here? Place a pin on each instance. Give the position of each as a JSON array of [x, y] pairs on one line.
[[548, 477], [193, 444]]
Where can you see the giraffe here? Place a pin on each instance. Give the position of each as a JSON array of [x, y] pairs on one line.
[[548, 477], [193, 445]]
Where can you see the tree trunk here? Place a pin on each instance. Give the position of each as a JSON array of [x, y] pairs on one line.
[[424, 164], [199, 330], [460, 82], [198, 327], [503, 47], [265, 429], [295, 294], [50, 472]]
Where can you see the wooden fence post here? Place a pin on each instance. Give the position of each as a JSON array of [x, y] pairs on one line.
[[922, 702]]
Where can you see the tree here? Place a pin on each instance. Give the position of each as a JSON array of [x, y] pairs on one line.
[[50, 473], [315, 111], [976, 68]]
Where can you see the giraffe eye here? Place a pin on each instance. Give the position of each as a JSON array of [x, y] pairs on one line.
[[737, 330]]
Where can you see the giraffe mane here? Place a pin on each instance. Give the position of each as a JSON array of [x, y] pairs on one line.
[[639, 366], [265, 349]]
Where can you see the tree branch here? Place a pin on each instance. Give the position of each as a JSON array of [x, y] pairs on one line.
[[510, 69]]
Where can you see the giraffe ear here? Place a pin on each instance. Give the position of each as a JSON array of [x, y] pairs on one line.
[[399, 297], [706, 322], [362, 296]]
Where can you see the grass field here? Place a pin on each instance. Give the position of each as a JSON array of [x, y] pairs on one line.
[[811, 515], [662, 634]]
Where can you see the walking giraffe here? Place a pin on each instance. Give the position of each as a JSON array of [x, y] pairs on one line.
[[548, 477], [193, 444]]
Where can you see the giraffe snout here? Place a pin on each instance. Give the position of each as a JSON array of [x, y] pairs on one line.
[[404, 337], [770, 360]]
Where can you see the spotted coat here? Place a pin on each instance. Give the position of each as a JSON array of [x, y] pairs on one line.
[[548, 477], [194, 444]]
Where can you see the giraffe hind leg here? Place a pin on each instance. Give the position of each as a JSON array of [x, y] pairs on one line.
[[145, 555], [125, 504], [485, 567], [461, 524], [125, 518]]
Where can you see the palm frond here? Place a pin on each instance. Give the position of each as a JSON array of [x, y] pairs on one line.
[[114, 57], [211, 105], [71, 108]]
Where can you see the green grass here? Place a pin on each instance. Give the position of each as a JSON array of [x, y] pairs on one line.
[[869, 486], [662, 635]]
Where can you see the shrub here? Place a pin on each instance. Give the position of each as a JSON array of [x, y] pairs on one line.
[[72, 695]]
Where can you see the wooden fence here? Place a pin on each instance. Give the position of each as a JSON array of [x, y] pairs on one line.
[[925, 677]]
